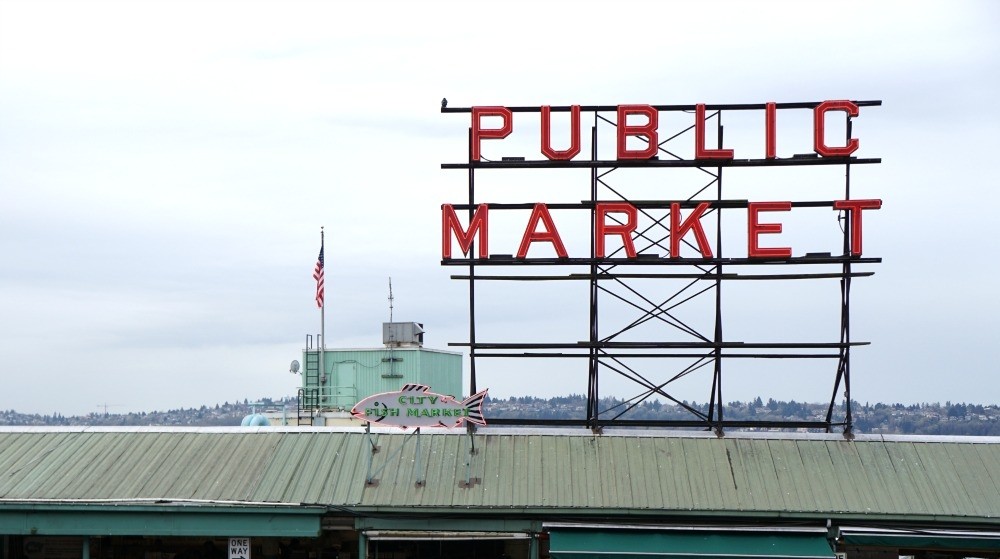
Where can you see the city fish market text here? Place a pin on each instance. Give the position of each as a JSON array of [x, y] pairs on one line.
[[415, 406], [382, 410]]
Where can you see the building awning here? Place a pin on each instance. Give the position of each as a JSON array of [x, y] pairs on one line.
[[410, 535], [921, 539], [98, 520], [686, 544]]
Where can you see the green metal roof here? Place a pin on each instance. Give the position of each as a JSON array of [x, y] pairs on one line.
[[633, 473]]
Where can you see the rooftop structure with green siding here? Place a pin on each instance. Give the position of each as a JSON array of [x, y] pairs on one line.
[[333, 380]]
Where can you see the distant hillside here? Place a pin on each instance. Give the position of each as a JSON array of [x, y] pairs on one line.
[[219, 414], [924, 419]]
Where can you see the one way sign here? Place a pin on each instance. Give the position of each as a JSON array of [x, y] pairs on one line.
[[239, 548]]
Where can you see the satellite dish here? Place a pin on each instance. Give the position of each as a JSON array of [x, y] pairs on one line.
[[295, 367]]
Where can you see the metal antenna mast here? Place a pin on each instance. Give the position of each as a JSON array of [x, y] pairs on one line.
[[392, 335]]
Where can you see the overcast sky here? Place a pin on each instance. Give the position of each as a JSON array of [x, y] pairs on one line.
[[165, 168]]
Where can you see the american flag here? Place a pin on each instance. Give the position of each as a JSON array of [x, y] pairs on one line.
[[318, 276]]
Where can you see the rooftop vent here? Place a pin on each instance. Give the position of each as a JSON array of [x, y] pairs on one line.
[[402, 334]]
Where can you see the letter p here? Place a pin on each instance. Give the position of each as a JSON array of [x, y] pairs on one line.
[[479, 133]]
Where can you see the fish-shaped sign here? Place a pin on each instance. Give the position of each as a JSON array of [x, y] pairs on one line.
[[415, 405]]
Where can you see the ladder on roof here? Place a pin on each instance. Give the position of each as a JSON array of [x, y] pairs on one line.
[[308, 395]]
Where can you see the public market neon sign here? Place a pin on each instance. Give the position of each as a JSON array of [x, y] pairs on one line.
[[620, 219]]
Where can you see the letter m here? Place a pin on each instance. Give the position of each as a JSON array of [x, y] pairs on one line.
[[478, 225]]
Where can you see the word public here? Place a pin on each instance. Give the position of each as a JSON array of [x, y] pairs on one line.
[[647, 130]]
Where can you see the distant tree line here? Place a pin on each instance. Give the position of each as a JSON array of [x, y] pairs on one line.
[[205, 416], [925, 419]]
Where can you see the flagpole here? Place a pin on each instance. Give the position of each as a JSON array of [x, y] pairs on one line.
[[322, 320]]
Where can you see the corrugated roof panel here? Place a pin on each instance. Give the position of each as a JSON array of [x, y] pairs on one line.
[[979, 487], [37, 475], [541, 464], [741, 483], [314, 468], [874, 463], [701, 472], [523, 478], [113, 465], [616, 489], [24, 454], [802, 490], [989, 456], [585, 472], [683, 499], [566, 470], [786, 490], [349, 457], [644, 458], [919, 491], [67, 459], [756, 462], [949, 492], [637, 472], [436, 472], [847, 465], [347, 470], [159, 465], [49, 472], [496, 468]]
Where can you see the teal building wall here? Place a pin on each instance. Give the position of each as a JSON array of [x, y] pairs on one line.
[[354, 374]]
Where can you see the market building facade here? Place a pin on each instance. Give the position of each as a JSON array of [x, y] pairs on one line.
[[347, 493]]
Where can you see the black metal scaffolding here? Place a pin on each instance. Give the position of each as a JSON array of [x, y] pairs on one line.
[[654, 286]]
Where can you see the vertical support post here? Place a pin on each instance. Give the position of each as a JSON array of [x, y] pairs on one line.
[[533, 546], [362, 545], [844, 363], [85, 548], [371, 453], [417, 461], [472, 280], [470, 480], [593, 362], [846, 309], [717, 395]]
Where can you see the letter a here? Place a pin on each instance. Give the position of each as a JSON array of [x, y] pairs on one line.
[[532, 235]]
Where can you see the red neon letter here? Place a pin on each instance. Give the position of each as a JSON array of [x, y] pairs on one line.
[[574, 146], [647, 130], [770, 123], [479, 133], [693, 221], [854, 208], [601, 229], [478, 225], [700, 152], [755, 228], [550, 234], [819, 129]]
